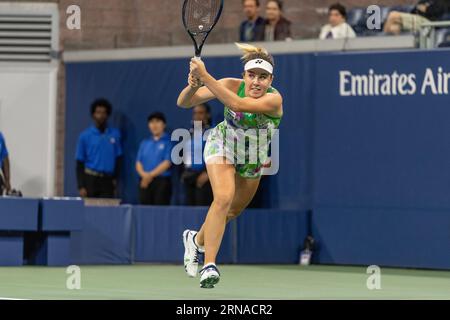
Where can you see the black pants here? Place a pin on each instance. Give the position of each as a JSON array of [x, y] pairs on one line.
[[196, 196], [158, 192], [99, 187]]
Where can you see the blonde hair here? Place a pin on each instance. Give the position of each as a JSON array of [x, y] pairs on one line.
[[251, 52]]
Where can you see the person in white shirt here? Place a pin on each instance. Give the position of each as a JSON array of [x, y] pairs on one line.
[[337, 28]]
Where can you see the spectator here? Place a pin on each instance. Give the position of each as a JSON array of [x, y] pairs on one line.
[[153, 163], [99, 153], [5, 184], [424, 11], [277, 27], [337, 26], [195, 178], [251, 29]]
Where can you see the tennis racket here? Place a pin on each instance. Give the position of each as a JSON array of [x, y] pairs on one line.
[[199, 19]]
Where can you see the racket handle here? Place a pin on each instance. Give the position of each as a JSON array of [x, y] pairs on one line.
[[197, 58]]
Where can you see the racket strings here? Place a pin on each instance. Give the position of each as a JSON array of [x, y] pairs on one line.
[[201, 15]]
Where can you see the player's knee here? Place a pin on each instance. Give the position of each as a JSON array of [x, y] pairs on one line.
[[223, 201]]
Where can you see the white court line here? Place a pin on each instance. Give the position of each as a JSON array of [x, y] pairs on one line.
[[2, 298]]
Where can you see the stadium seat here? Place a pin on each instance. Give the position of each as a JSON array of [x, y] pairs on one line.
[[443, 38]]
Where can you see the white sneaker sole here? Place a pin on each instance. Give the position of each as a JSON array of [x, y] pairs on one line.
[[209, 282]]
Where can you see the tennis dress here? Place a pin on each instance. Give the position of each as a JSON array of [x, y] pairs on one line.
[[243, 138]]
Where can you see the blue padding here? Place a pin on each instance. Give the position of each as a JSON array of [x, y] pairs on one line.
[[62, 214], [270, 236], [159, 233], [55, 250], [11, 249], [18, 214], [58, 246], [384, 237], [106, 236]]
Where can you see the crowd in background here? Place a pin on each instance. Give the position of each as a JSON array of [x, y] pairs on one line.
[[275, 27]]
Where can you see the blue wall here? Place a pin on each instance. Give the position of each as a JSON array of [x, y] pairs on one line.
[[153, 234], [385, 150], [381, 165]]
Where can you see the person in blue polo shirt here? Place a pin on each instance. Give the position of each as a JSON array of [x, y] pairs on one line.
[[4, 165], [153, 163], [99, 153], [194, 177]]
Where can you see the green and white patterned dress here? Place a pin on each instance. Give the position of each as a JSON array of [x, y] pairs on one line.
[[243, 138]]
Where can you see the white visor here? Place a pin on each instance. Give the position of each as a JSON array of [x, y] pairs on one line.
[[259, 64]]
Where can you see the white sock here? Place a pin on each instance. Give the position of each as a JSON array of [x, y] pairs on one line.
[[209, 264]]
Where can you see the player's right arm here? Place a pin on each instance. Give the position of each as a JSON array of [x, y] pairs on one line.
[[195, 94]]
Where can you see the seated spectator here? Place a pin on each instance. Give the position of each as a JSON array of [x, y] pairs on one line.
[[5, 185], [195, 178], [153, 163], [277, 27], [99, 153], [251, 29], [425, 11], [337, 27]]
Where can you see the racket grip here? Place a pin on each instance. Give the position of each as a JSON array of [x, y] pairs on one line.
[[197, 58]]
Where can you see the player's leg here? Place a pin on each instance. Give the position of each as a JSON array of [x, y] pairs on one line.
[[221, 175], [245, 191], [222, 178]]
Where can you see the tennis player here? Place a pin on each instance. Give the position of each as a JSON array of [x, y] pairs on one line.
[[250, 103]]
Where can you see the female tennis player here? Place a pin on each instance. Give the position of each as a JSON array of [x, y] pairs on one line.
[[250, 103]]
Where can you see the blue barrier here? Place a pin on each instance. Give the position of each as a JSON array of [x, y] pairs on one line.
[[383, 237], [270, 236], [380, 173], [18, 214], [11, 248], [58, 219], [159, 233], [16, 217], [126, 234], [106, 237]]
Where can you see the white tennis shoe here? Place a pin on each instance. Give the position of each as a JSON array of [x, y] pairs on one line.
[[191, 253], [210, 276]]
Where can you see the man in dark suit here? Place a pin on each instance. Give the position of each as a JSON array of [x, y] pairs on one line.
[[251, 29]]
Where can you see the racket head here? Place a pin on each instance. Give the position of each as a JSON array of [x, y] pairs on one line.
[[199, 18]]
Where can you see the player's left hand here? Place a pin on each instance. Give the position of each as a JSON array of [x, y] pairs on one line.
[[198, 68]]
